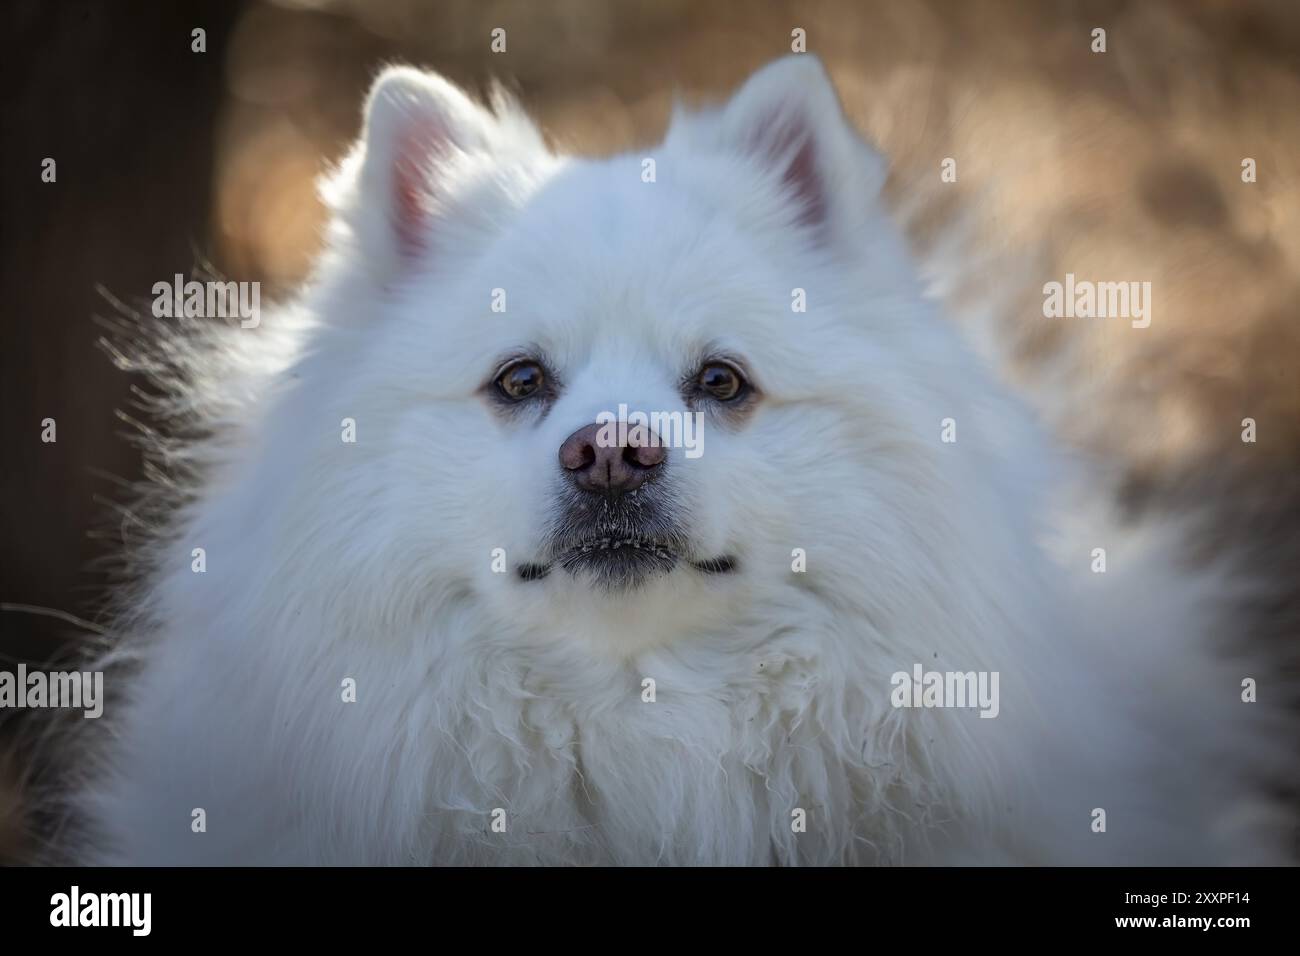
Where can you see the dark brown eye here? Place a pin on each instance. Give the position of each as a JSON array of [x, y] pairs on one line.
[[521, 380], [720, 381]]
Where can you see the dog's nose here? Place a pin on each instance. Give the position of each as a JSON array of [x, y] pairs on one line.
[[611, 468]]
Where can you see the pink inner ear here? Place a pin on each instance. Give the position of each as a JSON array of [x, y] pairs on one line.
[[805, 181], [789, 140], [418, 148]]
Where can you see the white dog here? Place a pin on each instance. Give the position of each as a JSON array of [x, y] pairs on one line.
[[439, 617]]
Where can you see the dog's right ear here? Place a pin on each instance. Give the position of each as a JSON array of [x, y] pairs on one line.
[[420, 134]]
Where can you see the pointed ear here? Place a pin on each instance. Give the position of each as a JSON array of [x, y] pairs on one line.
[[788, 120], [419, 133]]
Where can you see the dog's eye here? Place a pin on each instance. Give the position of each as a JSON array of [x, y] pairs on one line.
[[720, 381], [520, 380]]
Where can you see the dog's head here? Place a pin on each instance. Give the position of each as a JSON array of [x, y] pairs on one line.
[[633, 384]]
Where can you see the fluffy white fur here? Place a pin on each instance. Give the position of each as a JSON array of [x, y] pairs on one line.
[[477, 690]]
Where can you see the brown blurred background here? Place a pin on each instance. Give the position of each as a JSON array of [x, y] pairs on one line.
[[1121, 165]]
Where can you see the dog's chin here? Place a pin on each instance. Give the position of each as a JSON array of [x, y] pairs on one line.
[[617, 565]]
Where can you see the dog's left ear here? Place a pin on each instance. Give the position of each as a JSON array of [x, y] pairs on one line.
[[422, 143], [788, 118]]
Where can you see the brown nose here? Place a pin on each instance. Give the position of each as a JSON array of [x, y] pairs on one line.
[[611, 468]]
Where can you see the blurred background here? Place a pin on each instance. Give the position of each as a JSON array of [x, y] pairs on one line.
[[1118, 165]]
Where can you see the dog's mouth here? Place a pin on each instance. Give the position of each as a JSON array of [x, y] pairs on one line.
[[618, 561]]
